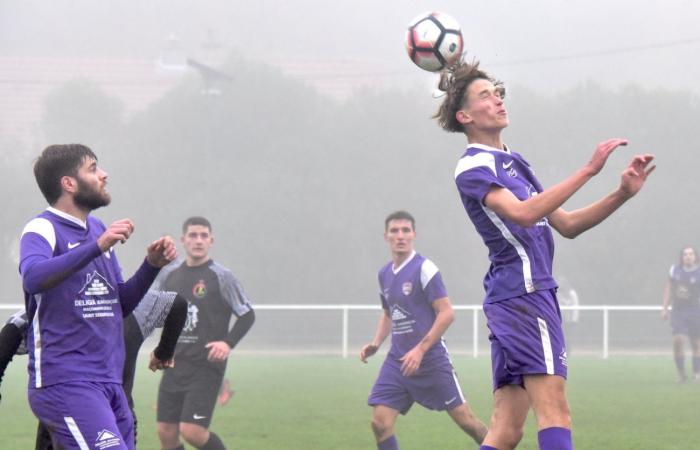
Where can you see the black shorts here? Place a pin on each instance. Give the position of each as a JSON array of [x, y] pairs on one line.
[[189, 397]]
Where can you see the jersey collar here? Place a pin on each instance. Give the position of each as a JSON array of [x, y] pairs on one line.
[[67, 216], [490, 149], [403, 264]]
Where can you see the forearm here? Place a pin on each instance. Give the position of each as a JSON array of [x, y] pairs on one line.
[[243, 324], [41, 272], [442, 322], [667, 296], [383, 330], [172, 327], [583, 219], [10, 340], [132, 291]]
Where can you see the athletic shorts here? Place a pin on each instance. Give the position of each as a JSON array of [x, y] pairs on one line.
[[191, 398], [686, 321], [85, 415], [436, 387], [526, 338]]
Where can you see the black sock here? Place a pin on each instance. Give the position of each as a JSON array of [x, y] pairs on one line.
[[214, 443]]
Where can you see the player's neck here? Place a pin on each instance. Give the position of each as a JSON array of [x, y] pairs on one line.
[[400, 257], [66, 205], [485, 138], [194, 262], [690, 267]]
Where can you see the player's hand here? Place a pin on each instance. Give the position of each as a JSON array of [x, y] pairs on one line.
[[602, 152], [634, 176], [161, 252], [410, 362], [218, 351], [664, 314], [118, 231], [158, 364], [367, 351]]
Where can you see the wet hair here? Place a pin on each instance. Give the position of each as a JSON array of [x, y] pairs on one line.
[[195, 220], [400, 215], [683, 249], [454, 82], [56, 162]]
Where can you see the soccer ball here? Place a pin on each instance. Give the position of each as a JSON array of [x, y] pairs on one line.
[[434, 41]]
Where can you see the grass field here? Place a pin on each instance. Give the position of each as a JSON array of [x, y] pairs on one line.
[[318, 403]]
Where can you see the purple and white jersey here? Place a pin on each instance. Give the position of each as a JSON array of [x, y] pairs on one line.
[[521, 258], [685, 286], [407, 293], [75, 298]]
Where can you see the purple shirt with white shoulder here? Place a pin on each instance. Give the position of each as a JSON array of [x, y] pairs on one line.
[[521, 257], [407, 294], [75, 299]]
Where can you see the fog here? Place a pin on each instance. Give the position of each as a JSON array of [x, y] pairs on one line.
[[316, 125]]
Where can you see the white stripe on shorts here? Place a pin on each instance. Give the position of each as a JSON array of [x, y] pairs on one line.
[[546, 346], [77, 435]]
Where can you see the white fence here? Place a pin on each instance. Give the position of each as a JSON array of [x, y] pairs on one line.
[[304, 332]]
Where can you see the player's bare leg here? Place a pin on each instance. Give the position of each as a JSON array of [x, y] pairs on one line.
[[695, 346], [383, 420], [169, 435], [510, 407], [468, 422], [547, 395], [679, 342]]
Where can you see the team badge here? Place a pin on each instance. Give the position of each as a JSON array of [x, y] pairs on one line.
[[200, 289], [407, 288]]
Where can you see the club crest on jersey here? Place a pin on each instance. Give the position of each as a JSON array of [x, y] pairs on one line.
[[407, 288], [107, 439], [200, 289]]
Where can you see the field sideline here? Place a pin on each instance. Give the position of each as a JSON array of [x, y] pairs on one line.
[[318, 403]]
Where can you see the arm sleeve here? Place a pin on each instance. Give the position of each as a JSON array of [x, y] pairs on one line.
[[41, 270], [240, 328], [475, 175], [172, 327], [131, 292], [431, 281], [10, 340]]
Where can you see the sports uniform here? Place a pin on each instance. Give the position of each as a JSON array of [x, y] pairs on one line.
[[75, 299], [685, 298], [520, 304], [407, 293], [188, 392]]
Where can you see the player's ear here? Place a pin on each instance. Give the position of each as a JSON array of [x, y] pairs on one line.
[[69, 184], [463, 117]]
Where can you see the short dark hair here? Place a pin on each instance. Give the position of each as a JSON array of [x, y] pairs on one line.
[[56, 162], [454, 82], [400, 215], [195, 220]]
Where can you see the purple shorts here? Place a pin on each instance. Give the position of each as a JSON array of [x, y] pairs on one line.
[[434, 386], [85, 415], [685, 320], [526, 338]]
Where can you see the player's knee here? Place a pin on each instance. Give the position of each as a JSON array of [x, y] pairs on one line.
[[194, 434], [168, 434], [381, 427], [511, 437]]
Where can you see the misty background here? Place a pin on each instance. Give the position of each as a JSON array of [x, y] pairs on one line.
[[296, 127]]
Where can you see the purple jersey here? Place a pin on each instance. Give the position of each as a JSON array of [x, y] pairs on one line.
[[407, 294], [75, 297], [521, 257], [685, 286]]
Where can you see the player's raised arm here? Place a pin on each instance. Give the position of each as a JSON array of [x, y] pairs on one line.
[[528, 212], [571, 224]]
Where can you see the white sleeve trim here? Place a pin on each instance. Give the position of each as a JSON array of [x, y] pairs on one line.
[[427, 271], [479, 160], [43, 228]]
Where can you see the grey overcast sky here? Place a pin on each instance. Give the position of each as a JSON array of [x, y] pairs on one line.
[[543, 44]]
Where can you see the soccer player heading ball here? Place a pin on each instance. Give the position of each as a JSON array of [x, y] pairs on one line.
[[514, 215]]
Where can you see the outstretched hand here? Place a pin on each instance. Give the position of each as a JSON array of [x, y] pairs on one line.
[[634, 176], [602, 152], [161, 252]]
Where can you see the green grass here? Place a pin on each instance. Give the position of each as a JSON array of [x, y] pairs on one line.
[[318, 403]]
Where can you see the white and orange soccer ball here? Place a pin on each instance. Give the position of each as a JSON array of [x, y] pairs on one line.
[[434, 41]]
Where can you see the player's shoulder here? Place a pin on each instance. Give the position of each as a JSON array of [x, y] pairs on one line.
[[428, 269], [478, 156], [43, 226], [221, 271]]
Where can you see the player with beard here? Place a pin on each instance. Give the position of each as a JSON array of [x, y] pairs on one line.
[[75, 299]]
